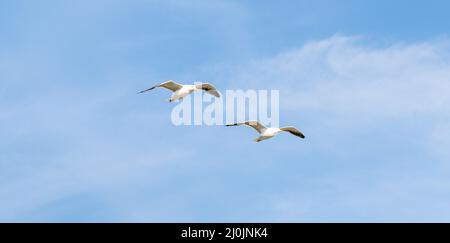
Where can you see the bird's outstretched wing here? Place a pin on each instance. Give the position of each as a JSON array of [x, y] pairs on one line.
[[293, 131], [170, 85], [208, 88], [254, 124]]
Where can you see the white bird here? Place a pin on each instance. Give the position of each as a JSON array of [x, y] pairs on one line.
[[180, 91], [268, 132]]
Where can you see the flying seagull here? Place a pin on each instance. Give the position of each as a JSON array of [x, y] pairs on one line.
[[268, 132], [180, 91]]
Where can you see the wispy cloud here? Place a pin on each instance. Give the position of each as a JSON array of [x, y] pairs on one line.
[[378, 110], [348, 74]]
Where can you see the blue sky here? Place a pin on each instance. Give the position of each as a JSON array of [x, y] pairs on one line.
[[366, 81]]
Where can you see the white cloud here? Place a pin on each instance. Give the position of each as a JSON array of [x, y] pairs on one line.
[[379, 111], [344, 75], [356, 83]]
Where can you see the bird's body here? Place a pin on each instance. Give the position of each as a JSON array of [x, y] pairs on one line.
[[268, 132], [183, 92], [180, 91]]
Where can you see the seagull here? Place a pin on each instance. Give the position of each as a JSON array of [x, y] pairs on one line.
[[268, 132], [180, 91]]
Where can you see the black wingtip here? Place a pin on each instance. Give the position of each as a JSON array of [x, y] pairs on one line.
[[143, 91]]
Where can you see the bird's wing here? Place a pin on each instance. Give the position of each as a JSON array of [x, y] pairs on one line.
[[254, 124], [293, 131], [170, 85], [209, 89]]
